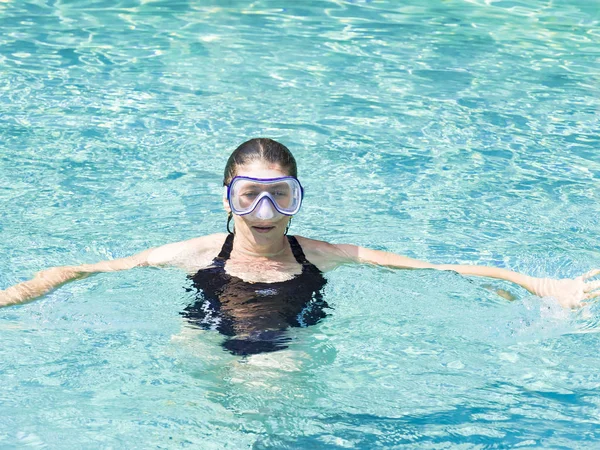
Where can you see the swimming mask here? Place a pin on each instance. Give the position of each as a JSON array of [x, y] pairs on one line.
[[245, 194]]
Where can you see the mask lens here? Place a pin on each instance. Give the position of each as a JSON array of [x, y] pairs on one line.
[[282, 194], [247, 193]]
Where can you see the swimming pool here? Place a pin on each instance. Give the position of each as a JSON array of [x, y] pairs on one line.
[[453, 131]]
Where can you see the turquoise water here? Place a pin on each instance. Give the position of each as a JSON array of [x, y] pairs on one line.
[[453, 131]]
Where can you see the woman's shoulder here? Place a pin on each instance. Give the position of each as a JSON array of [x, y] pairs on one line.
[[313, 245], [183, 252], [324, 255]]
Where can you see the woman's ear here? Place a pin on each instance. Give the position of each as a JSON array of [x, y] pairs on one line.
[[225, 201]]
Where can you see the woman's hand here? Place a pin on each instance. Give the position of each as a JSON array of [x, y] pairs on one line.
[[5, 299], [570, 293]]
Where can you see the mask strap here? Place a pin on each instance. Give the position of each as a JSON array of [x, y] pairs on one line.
[[229, 218], [288, 227]]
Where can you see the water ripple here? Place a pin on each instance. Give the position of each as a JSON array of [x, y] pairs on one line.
[[457, 132]]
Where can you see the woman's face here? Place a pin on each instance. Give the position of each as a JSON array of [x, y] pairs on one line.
[[257, 229]]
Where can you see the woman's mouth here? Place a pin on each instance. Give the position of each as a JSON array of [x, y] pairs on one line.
[[264, 229]]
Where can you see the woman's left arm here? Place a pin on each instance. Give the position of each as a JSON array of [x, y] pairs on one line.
[[569, 292]]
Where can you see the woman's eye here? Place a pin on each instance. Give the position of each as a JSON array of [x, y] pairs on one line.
[[279, 193]]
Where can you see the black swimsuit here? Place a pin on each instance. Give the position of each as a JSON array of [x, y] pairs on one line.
[[254, 316]]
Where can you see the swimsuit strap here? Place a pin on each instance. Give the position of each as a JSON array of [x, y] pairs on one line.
[[227, 246], [297, 250]]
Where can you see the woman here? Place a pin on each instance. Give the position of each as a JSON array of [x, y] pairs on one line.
[[256, 281]]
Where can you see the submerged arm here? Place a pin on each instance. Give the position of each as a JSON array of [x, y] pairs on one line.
[[569, 292], [174, 254], [50, 279]]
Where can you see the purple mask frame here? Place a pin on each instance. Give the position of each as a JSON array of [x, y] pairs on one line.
[[265, 195]]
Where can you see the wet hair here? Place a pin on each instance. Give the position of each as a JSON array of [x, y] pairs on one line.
[[260, 149]]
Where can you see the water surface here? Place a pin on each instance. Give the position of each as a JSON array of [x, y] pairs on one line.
[[452, 131]]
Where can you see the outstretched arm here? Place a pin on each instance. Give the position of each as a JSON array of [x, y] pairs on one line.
[[50, 279], [569, 292], [184, 254]]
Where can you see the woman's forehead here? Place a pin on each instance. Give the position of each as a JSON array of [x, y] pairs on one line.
[[261, 169]]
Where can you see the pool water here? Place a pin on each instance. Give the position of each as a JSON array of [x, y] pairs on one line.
[[457, 131]]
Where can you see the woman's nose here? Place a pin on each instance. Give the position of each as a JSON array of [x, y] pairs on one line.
[[265, 209]]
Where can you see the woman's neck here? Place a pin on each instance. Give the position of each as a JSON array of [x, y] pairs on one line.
[[247, 247]]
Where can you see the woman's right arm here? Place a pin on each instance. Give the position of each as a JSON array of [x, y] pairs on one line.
[[185, 254], [50, 279]]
